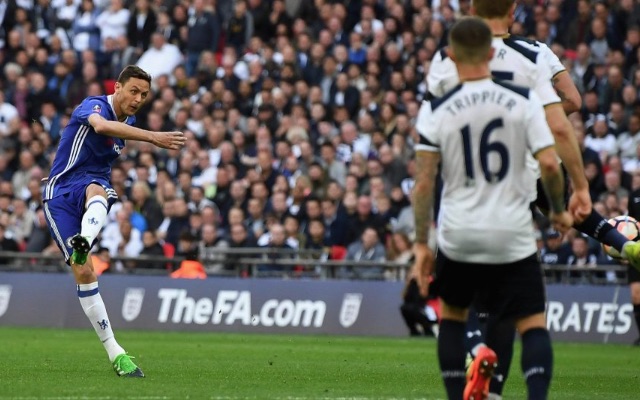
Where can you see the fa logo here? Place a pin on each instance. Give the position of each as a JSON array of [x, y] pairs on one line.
[[97, 108], [117, 149], [92, 221], [104, 324]]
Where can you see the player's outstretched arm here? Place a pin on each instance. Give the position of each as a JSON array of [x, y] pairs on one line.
[[165, 140], [569, 152], [422, 199], [568, 92], [566, 144], [553, 183]]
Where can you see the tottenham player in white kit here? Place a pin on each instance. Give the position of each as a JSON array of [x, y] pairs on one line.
[[482, 132], [532, 64]]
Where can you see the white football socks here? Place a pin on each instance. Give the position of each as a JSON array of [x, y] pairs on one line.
[[94, 218], [94, 308]]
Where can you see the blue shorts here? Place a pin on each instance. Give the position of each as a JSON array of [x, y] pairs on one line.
[[64, 213]]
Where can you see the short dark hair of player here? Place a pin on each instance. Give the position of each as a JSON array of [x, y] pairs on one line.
[[492, 8], [470, 40], [133, 71]]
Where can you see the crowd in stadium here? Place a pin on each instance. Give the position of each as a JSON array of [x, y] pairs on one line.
[[299, 116]]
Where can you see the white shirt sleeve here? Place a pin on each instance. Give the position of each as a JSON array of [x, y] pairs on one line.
[[544, 88], [554, 63], [442, 75], [427, 129], [539, 135]]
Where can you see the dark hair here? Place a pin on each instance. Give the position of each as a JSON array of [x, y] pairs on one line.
[[492, 8], [470, 40], [133, 71]]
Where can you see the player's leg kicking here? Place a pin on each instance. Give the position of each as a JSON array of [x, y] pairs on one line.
[[75, 225], [597, 227]]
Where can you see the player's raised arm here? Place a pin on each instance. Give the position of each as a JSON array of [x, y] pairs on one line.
[[541, 142], [166, 140], [566, 142]]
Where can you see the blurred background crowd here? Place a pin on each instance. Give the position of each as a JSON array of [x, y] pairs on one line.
[[300, 116]]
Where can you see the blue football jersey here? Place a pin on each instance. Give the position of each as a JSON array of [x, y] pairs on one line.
[[83, 154]]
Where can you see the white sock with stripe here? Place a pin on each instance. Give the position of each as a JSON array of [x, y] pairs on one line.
[[94, 218], [94, 308]]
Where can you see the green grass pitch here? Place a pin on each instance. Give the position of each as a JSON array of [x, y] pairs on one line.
[[71, 364]]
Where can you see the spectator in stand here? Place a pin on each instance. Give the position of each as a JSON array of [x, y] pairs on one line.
[[9, 118], [198, 201], [214, 262], [239, 239], [367, 248], [336, 222], [21, 220], [176, 220], [316, 236], [613, 88], [633, 164], [129, 245], [336, 169], [240, 27], [399, 250], [203, 34], [101, 261], [146, 205], [151, 247], [7, 243], [277, 241], [113, 21], [117, 53], [363, 218], [296, 238], [601, 140], [613, 186], [555, 252], [614, 164], [21, 177], [141, 25], [342, 93], [161, 58], [40, 238], [581, 260], [628, 143], [255, 217]]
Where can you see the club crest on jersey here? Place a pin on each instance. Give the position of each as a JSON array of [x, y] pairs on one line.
[[97, 108]]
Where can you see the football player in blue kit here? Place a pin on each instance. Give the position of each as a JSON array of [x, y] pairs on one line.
[[78, 192]]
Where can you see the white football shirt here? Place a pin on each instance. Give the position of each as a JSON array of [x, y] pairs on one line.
[[484, 131], [517, 60]]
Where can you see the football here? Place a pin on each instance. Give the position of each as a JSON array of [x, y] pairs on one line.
[[626, 225]]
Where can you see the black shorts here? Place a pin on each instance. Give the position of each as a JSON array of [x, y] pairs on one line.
[[506, 291], [633, 275]]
